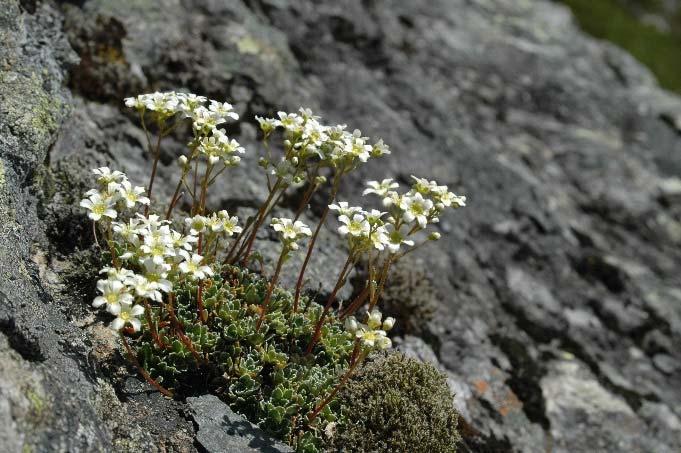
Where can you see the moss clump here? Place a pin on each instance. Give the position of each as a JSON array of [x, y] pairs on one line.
[[397, 404]]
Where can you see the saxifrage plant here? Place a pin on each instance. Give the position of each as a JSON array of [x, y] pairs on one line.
[[190, 313]]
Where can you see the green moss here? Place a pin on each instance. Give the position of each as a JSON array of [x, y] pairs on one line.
[[612, 20], [395, 403]]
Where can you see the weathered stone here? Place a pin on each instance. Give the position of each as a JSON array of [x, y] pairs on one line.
[[565, 147], [220, 430]]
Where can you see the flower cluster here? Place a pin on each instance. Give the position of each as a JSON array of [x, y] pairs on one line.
[[147, 255], [189, 105], [113, 193], [373, 334], [308, 141], [407, 214]]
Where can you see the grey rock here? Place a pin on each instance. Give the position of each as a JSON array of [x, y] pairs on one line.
[[220, 430], [563, 145]]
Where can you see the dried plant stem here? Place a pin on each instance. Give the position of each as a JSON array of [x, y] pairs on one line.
[[382, 280], [313, 240], [152, 327], [270, 289], [353, 364], [355, 304], [347, 267], [179, 330], [255, 225], [247, 254], [143, 372]]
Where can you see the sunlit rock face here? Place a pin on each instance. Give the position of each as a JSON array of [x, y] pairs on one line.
[[557, 290]]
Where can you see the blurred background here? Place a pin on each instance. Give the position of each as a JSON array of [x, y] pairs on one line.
[[553, 300], [649, 29]]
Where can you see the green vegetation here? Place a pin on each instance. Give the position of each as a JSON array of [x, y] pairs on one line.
[[263, 374], [617, 22], [397, 404]]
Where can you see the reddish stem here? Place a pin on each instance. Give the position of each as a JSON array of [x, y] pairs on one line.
[[143, 372]]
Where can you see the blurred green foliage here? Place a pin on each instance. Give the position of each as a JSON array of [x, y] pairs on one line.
[[619, 21]]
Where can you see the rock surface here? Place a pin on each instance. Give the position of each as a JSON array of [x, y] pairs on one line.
[[220, 430], [559, 302]]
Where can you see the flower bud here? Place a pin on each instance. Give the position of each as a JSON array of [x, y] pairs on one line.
[[183, 161], [434, 236], [374, 319], [388, 323], [263, 162], [351, 325], [319, 180]]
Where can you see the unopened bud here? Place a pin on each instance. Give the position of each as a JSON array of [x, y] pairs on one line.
[[388, 323], [434, 236]]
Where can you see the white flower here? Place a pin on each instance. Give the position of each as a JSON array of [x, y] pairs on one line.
[[423, 186], [162, 103], [157, 273], [223, 109], [379, 238], [357, 146], [128, 231], [290, 231], [374, 216], [114, 295], [290, 121], [351, 325], [189, 102], [392, 198], [192, 266], [416, 208], [99, 207], [145, 288], [128, 315], [267, 125], [373, 338], [135, 102], [182, 242], [396, 239], [105, 176], [230, 225], [380, 188], [343, 209], [158, 246], [374, 319], [132, 195], [380, 149], [356, 226], [197, 224]]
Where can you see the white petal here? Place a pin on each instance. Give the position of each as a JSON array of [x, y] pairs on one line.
[[136, 324]]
